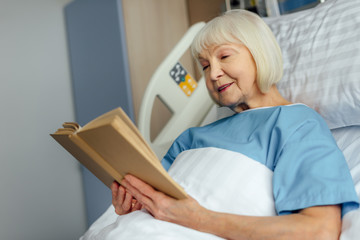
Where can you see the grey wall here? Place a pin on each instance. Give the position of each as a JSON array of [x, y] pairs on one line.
[[100, 75], [40, 184]]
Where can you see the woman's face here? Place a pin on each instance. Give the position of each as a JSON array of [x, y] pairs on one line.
[[230, 73]]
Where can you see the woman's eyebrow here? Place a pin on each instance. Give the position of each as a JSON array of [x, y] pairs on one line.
[[201, 58], [215, 49]]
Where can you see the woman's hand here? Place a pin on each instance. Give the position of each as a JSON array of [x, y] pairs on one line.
[[122, 200], [185, 212]]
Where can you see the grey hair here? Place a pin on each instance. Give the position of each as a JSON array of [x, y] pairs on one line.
[[247, 28]]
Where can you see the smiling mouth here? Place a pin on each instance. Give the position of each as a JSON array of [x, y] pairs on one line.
[[224, 87]]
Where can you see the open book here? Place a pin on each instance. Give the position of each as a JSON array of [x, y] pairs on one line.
[[111, 146]]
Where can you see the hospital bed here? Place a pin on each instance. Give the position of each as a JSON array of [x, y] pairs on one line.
[[321, 50]]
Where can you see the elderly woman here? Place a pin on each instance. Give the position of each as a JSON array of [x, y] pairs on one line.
[[311, 184]]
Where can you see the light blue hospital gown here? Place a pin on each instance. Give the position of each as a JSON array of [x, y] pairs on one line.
[[294, 142]]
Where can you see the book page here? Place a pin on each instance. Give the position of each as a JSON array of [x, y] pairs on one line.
[[133, 134]]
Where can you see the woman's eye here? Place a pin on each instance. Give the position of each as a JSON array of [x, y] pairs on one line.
[[205, 67], [225, 56]]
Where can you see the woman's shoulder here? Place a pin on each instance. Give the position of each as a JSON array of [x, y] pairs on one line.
[[293, 114], [300, 111], [286, 117], [297, 107], [300, 117]]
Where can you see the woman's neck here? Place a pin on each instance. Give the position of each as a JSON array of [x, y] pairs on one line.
[[271, 98]]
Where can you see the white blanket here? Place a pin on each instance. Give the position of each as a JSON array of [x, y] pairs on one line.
[[218, 179]]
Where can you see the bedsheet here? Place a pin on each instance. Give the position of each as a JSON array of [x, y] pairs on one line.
[[209, 175]]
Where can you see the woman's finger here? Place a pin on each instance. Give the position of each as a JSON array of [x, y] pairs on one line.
[[127, 202], [138, 194], [115, 193], [141, 186], [114, 189], [136, 206]]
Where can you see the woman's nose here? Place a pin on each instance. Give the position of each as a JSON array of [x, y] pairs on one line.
[[216, 72]]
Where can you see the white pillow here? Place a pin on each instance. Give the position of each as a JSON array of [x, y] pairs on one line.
[[321, 50], [348, 140]]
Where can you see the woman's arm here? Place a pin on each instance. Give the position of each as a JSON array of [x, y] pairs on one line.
[[318, 223], [311, 223]]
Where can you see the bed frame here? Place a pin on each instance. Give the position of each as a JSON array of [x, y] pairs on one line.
[[182, 106]]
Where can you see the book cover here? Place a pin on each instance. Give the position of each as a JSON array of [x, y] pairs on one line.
[[111, 146]]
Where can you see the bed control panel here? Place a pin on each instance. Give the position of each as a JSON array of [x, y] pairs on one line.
[[183, 79]]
